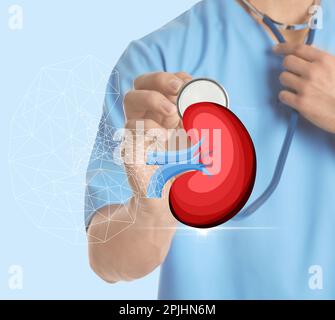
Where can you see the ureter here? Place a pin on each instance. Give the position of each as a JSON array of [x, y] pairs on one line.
[[293, 36]]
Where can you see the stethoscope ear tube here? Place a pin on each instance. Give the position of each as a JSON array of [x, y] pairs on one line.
[[292, 126]]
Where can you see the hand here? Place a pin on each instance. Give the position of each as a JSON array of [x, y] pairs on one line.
[[144, 244], [153, 102], [309, 79]]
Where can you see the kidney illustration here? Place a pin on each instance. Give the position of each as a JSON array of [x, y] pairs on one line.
[[216, 176]]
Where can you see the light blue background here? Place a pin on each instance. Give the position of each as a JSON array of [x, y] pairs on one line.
[[54, 31]]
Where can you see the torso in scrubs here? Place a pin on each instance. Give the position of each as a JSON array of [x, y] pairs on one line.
[[270, 254]]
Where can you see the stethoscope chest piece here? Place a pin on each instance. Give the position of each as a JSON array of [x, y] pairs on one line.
[[201, 90]]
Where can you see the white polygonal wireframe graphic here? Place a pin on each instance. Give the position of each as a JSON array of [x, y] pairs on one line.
[[52, 135]]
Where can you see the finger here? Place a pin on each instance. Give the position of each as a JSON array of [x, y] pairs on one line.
[[153, 105], [137, 103], [138, 143], [297, 65], [143, 125], [184, 76], [143, 132], [289, 98], [291, 81], [303, 51], [163, 82]]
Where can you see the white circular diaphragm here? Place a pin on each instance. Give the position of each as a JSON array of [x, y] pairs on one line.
[[201, 90]]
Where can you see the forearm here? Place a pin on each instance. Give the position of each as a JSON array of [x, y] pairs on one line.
[[134, 252]]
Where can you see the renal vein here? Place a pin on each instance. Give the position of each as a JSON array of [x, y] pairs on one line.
[[172, 164]]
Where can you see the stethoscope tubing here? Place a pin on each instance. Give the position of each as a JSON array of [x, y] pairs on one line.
[[292, 127]]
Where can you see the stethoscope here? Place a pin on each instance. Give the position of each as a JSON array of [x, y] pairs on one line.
[[210, 91]]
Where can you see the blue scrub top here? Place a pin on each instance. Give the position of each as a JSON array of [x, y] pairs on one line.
[[268, 255]]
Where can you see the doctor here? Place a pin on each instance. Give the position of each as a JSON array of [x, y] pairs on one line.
[[268, 255]]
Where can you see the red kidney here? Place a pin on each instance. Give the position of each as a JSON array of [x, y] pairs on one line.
[[205, 201]]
